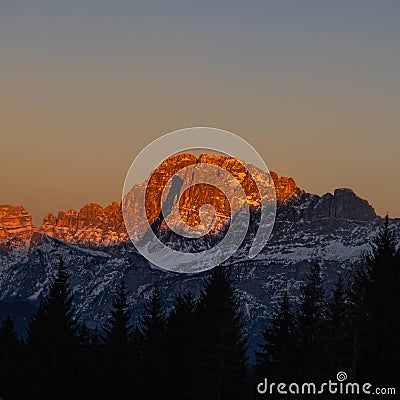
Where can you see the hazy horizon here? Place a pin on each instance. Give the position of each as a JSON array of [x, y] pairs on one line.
[[314, 86]]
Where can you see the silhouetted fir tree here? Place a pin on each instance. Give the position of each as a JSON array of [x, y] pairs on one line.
[[384, 266], [151, 333], [119, 359], [375, 310], [384, 247], [52, 341], [118, 328], [359, 308], [12, 383], [309, 325], [219, 360], [277, 356], [336, 338], [179, 342]]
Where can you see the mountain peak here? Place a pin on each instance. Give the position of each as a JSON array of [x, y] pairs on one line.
[[346, 204]]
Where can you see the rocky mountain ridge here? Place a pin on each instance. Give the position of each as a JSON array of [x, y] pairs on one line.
[[94, 225]]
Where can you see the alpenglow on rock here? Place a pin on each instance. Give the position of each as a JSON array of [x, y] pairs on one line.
[[16, 227], [94, 225]]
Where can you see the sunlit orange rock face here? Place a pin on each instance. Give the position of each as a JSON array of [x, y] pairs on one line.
[[200, 194], [15, 226], [94, 225]]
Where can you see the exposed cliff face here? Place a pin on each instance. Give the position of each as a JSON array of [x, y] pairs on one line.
[[94, 225], [342, 204], [346, 204], [15, 227], [199, 194], [285, 188]]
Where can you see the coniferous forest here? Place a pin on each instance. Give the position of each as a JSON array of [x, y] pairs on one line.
[[198, 349]]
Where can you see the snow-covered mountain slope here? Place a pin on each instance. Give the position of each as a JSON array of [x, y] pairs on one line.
[[334, 230]]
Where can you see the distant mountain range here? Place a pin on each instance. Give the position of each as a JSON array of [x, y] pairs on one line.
[[333, 229]]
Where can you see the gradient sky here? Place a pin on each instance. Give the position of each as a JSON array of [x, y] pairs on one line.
[[314, 86]]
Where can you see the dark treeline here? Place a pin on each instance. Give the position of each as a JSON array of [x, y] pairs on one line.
[[355, 328], [198, 350]]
